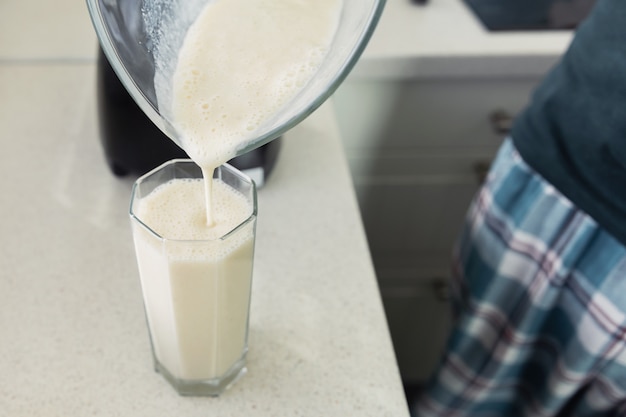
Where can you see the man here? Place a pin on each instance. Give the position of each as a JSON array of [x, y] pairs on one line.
[[540, 268]]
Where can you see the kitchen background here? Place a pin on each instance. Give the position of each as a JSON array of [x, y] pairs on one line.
[[421, 118]]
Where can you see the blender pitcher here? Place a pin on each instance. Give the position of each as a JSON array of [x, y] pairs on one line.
[[133, 145], [142, 38]]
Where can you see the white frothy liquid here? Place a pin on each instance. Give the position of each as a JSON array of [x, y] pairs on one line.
[[241, 61], [196, 294]]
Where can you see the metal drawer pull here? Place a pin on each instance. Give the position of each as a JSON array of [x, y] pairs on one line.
[[501, 122]]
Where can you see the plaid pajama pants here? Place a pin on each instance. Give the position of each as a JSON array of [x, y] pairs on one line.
[[539, 294]]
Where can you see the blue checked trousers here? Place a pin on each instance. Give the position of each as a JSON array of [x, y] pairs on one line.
[[539, 295]]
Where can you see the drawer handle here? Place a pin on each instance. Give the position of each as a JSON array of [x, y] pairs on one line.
[[501, 122], [442, 290], [481, 169]]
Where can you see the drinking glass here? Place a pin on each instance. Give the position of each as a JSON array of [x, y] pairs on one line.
[[196, 293]]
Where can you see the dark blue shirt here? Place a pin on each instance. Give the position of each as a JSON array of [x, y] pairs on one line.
[[573, 132]]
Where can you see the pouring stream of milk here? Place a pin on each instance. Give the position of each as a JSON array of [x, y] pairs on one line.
[[240, 62]]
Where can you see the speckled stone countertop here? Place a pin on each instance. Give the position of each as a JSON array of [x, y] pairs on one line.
[[74, 339]]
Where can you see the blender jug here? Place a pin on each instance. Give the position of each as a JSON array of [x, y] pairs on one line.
[[132, 144], [142, 38]]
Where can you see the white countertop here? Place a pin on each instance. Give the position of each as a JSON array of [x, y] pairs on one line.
[[74, 339], [445, 39]]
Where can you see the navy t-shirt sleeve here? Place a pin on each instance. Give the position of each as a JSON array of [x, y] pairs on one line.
[[573, 132]]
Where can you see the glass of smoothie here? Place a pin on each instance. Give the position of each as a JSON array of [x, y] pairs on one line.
[[195, 278]]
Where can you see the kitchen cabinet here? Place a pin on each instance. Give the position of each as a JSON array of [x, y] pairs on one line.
[[418, 150]]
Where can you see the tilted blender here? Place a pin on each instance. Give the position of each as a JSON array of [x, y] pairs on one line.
[[141, 39]]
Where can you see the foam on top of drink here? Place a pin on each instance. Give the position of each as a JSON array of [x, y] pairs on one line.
[[176, 210], [242, 60]]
